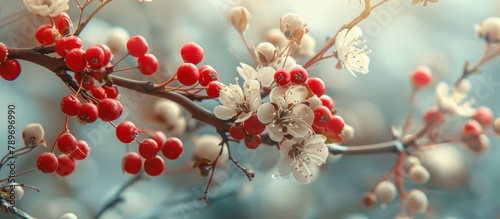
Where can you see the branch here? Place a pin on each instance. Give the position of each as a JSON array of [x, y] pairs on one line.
[[118, 198], [14, 210], [197, 112], [385, 147]]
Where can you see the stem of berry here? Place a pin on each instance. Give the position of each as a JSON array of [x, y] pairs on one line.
[[81, 25], [117, 198], [254, 58], [248, 173], [214, 165], [407, 123]]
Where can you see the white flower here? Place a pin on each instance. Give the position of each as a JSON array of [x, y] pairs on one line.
[[238, 102], [286, 113], [489, 30], [350, 57], [47, 8], [454, 100], [302, 156], [266, 53], [264, 75]]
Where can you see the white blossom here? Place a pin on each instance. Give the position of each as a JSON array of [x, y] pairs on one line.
[[47, 8], [454, 100], [286, 113], [301, 156], [238, 102], [264, 75], [350, 57], [489, 30], [293, 27]]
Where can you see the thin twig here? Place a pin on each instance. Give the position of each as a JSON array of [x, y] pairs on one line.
[[118, 196]]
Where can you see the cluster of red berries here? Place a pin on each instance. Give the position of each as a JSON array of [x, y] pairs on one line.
[[48, 34], [138, 47], [249, 131], [147, 156], [10, 69], [296, 76], [188, 74], [64, 164], [107, 107]]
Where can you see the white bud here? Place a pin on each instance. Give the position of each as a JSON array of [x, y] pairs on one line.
[[166, 112], [347, 133], [239, 17], [17, 190], [385, 191], [306, 49], [69, 216], [418, 174], [266, 53], [275, 37], [489, 30], [207, 147], [33, 135], [464, 86], [179, 127], [293, 27], [416, 201], [478, 144], [117, 39], [410, 161]]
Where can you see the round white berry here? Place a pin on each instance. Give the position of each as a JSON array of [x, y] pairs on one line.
[[418, 174], [416, 201], [385, 191], [33, 134], [69, 216], [117, 39]]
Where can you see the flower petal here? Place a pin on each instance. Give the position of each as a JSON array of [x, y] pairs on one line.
[[314, 102], [243, 116], [340, 39], [296, 94], [266, 76], [265, 113], [285, 166], [224, 112], [277, 94], [303, 172], [286, 146], [274, 132], [353, 35], [317, 152], [246, 71]]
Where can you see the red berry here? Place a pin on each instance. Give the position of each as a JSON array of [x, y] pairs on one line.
[[60, 47], [66, 143], [484, 116], [126, 132], [47, 162], [94, 56], [111, 91], [82, 150], [66, 165], [253, 142], [137, 46], [238, 132], [87, 113], [434, 115], [172, 149], [213, 89], [327, 101], [131, 163], [322, 116], [192, 53], [3, 52], [253, 125], [109, 109], [421, 77], [48, 36], [70, 105], [298, 75], [63, 23], [316, 85], [10, 69], [148, 148], [87, 84], [98, 92], [335, 124], [472, 128], [65, 44], [159, 137], [107, 54], [207, 75], [148, 64], [282, 77], [154, 166], [187, 74], [40, 34], [75, 60]]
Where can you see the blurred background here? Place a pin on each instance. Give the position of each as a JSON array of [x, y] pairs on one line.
[[401, 36]]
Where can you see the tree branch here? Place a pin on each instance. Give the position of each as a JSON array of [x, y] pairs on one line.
[[118, 196]]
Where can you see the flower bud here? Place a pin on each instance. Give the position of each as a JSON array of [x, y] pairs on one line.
[[293, 27], [416, 201], [369, 200], [347, 133], [69, 216], [207, 147], [18, 191], [411, 161], [484, 116], [117, 39], [385, 191], [179, 127], [489, 30], [266, 53], [166, 113], [275, 37], [238, 17], [33, 135], [306, 49], [418, 174]]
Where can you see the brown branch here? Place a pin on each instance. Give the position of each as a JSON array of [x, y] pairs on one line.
[[197, 111]]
